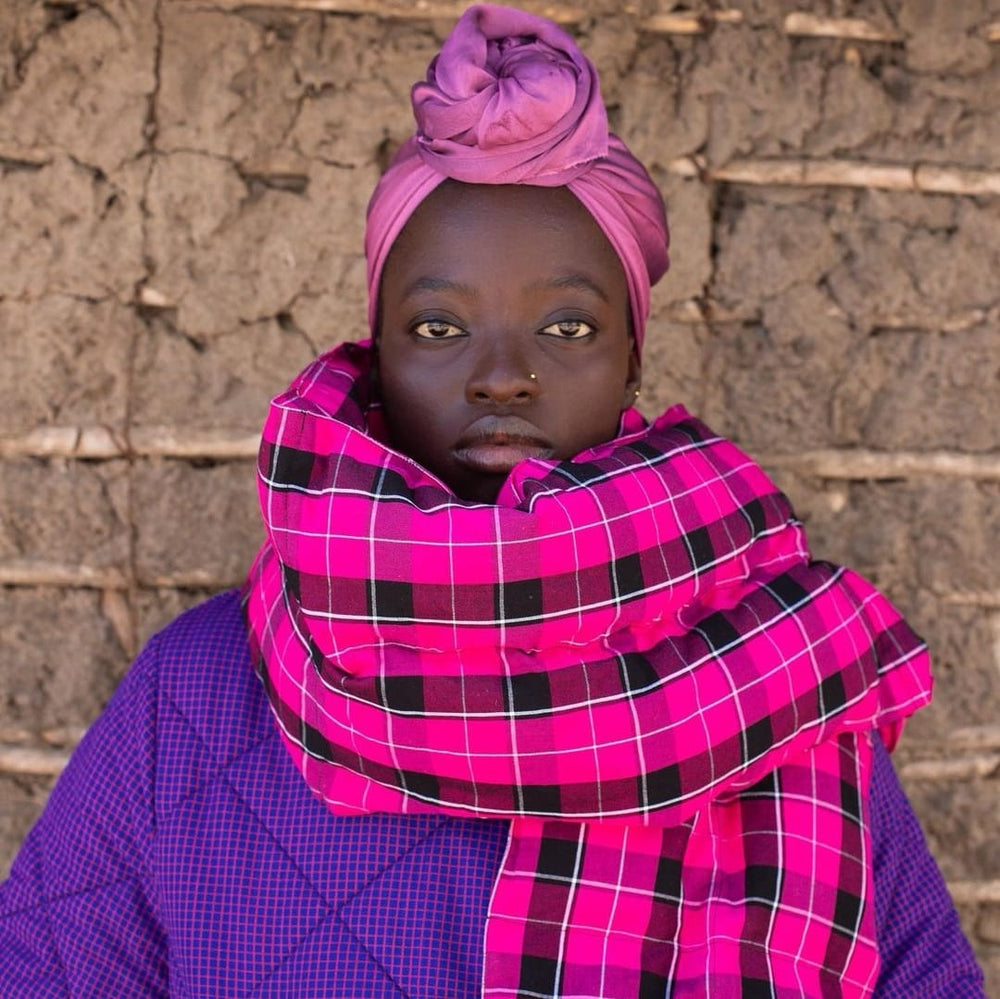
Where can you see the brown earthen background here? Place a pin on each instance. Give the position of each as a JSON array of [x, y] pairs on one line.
[[182, 192]]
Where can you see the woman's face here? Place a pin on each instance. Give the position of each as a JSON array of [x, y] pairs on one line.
[[503, 334]]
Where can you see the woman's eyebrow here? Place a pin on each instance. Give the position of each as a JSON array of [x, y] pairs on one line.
[[422, 284], [578, 282]]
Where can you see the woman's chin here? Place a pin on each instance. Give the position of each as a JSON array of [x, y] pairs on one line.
[[480, 487]]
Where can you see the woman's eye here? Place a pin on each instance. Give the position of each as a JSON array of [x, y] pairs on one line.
[[437, 329], [569, 329]]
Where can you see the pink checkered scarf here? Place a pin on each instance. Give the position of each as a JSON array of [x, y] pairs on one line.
[[630, 656]]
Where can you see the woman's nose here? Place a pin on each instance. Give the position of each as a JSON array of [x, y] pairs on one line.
[[501, 375]]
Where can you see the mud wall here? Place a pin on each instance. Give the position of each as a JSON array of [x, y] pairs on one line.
[[182, 188]]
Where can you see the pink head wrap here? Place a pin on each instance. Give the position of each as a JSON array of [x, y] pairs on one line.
[[511, 99]]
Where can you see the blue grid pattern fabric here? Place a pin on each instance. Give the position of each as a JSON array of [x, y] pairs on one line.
[[182, 855], [921, 947]]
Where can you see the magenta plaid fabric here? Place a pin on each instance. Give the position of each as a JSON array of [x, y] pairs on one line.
[[631, 656]]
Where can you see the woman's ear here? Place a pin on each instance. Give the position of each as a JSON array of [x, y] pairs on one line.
[[634, 379]]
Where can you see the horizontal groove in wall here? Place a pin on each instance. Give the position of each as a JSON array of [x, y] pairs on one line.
[[855, 29], [973, 892], [27, 761], [709, 311], [795, 24], [974, 737], [920, 178], [171, 442], [974, 767], [96, 443], [925, 178], [24, 573], [684, 23], [969, 753], [196, 579], [863, 464], [956, 323], [417, 10], [987, 599], [32, 572], [667, 23]]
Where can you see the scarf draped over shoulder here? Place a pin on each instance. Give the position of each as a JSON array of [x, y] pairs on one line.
[[631, 656]]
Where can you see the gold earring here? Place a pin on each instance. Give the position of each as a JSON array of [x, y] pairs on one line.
[[637, 391]]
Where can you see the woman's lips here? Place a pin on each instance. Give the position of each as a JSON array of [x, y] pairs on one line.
[[495, 444]]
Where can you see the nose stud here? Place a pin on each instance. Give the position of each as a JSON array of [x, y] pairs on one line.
[[533, 376]]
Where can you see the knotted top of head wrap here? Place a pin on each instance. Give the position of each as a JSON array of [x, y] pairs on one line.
[[511, 99]]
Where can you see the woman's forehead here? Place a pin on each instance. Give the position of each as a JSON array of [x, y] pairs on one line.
[[470, 228]]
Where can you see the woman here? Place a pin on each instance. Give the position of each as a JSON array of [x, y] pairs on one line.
[[572, 712]]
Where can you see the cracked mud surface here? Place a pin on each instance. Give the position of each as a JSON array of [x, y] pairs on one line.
[[217, 164]]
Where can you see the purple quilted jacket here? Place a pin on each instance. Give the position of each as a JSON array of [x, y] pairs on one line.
[[181, 855]]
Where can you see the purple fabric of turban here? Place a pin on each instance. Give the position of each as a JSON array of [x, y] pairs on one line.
[[511, 99]]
